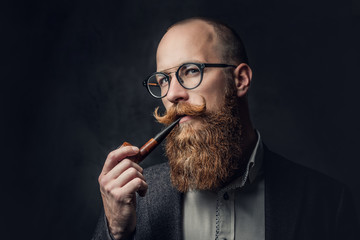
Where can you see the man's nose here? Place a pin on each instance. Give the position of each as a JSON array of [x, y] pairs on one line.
[[176, 92]]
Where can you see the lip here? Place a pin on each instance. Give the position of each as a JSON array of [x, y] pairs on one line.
[[185, 118]]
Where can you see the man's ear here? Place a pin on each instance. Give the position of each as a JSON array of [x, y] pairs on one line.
[[243, 75]]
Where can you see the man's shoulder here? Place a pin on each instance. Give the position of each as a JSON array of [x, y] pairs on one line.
[[280, 168], [319, 206]]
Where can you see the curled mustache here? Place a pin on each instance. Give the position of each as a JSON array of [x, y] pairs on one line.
[[178, 110]]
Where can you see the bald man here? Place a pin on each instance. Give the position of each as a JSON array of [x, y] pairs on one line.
[[220, 181]]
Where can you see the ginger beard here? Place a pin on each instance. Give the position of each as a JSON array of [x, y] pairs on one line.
[[207, 156]]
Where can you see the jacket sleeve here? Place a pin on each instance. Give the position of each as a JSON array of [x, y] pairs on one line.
[[102, 231]]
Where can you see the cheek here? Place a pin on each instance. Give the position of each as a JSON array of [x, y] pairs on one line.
[[167, 104], [215, 99], [214, 93]]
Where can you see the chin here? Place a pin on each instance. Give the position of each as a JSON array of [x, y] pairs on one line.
[[188, 129]]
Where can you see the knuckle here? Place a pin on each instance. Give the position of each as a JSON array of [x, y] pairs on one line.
[[116, 195], [127, 163], [138, 181], [108, 189], [133, 172], [102, 180], [111, 155]]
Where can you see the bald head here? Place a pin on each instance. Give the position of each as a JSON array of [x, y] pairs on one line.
[[227, 42], [194, 41]]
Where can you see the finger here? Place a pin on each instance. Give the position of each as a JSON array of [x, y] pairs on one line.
[[116, 156], [121, 167], [135, 185], [127, 176]]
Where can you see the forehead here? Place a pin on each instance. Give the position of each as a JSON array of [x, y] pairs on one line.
[[190, 42]]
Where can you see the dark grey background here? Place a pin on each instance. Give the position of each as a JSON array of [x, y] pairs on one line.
[[71, 74]]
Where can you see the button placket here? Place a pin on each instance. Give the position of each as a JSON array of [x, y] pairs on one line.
[[226, 216]]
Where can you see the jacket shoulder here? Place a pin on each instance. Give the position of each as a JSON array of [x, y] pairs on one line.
[[319, 206], [287, 170]]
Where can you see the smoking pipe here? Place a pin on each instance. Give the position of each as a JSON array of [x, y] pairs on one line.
[[152, 143]]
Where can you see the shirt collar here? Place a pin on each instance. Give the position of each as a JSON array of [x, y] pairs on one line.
[[256, 159], [253, 168]]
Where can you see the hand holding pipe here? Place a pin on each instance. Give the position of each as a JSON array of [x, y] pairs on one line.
[[152, 143]]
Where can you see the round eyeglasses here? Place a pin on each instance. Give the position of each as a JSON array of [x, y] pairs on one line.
[[189, 75]]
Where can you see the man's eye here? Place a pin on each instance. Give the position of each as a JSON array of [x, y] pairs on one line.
[[163, 82], [191, 71]]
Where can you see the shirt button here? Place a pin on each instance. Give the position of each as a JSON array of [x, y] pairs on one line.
[[226, 197]]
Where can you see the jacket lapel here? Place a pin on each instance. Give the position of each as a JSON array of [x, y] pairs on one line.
[[170, 225]]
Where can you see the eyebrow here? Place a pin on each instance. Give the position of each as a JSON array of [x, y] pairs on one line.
[[190, 61], [167, 70]]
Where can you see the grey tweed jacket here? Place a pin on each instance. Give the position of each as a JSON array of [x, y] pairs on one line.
[[299, 204]]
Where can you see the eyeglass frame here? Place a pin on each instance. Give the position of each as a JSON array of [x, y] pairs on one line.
[[201, 66]]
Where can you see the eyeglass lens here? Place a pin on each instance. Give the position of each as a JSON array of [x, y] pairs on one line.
[[189, 76]]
